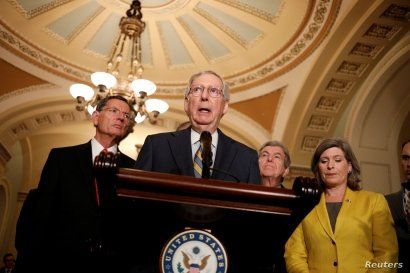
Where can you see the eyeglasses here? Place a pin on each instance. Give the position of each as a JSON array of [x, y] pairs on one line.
[[214, 92], [117, 112]]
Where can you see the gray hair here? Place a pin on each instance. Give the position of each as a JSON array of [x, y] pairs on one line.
[[225, 87], [275, 143]]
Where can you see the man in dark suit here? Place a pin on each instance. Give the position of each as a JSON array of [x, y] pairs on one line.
[[8, 260], [206, 101], [68, 223], [180, 152], [399, 203]]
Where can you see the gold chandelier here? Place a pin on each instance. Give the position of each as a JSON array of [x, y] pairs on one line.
[[134, 88]]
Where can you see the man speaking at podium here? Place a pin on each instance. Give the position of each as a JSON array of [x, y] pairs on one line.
[[201, 150]]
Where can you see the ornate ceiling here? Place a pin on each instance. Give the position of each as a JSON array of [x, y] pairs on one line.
[[246, 41]]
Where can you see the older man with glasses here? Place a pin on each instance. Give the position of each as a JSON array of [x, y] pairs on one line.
[[274, 163], [64, 219], [180, 152]]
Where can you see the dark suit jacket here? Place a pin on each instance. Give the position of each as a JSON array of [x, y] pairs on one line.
[[64, 216], [3, 270], [171, 153], [395, 201]]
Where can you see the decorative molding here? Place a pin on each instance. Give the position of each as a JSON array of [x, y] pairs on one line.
[[272, 18], [352, 68], [396, 12], [310, 143], [316, 24], [9, 38], [39, 10], [19, 130], [320, 123], [296, 171], [366, 50], [67, 116], [382, 31], [339, 86], [27, 126], [22, 91], [42, 120], [4, 154], [329, 104], [311, 36], [349, 75]]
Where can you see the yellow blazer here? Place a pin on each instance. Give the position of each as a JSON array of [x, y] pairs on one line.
[[364, 232]]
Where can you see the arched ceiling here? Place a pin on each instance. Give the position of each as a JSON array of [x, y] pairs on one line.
[[245, 41]]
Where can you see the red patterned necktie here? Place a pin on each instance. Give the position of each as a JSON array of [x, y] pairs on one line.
[[96, 189]]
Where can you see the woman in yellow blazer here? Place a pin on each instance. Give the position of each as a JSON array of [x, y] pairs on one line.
[[350, 230]]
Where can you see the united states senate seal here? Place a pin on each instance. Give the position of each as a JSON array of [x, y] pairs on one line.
[[194, 251]]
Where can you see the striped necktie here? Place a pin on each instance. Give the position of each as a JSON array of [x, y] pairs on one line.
[[406, 206], [198, 162]]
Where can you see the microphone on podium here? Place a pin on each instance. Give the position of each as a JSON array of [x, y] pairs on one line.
[[206, 143]]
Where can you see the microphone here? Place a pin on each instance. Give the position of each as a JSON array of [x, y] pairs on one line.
[[226, 173], [206, 143]]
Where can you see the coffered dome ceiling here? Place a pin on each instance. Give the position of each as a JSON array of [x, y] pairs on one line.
[[246, 41]]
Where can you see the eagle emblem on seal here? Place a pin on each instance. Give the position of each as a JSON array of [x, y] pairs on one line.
[[195, 263]]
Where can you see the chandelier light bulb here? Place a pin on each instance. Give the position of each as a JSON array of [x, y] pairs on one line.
[[81, 90], [156, 105], [139, 118], [103, 78], [143, 85], [91, 109]]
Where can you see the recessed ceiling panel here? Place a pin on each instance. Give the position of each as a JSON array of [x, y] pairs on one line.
[[174, 47], [73, 22], [103, 41], [265, 9], [240, 31], [31, 8], [146, 47], [208, 44]]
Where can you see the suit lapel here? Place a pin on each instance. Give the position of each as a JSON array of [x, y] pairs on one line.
[[323, 217], [84, 162], [180, 146], [225, 153]]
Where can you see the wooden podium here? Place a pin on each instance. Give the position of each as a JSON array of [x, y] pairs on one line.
[[252, 222]]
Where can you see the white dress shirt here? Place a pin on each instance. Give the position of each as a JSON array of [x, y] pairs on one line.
[[96, 148], [195, 136]]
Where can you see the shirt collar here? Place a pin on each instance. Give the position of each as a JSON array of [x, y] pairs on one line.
[[195, 136], [96, 148]]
